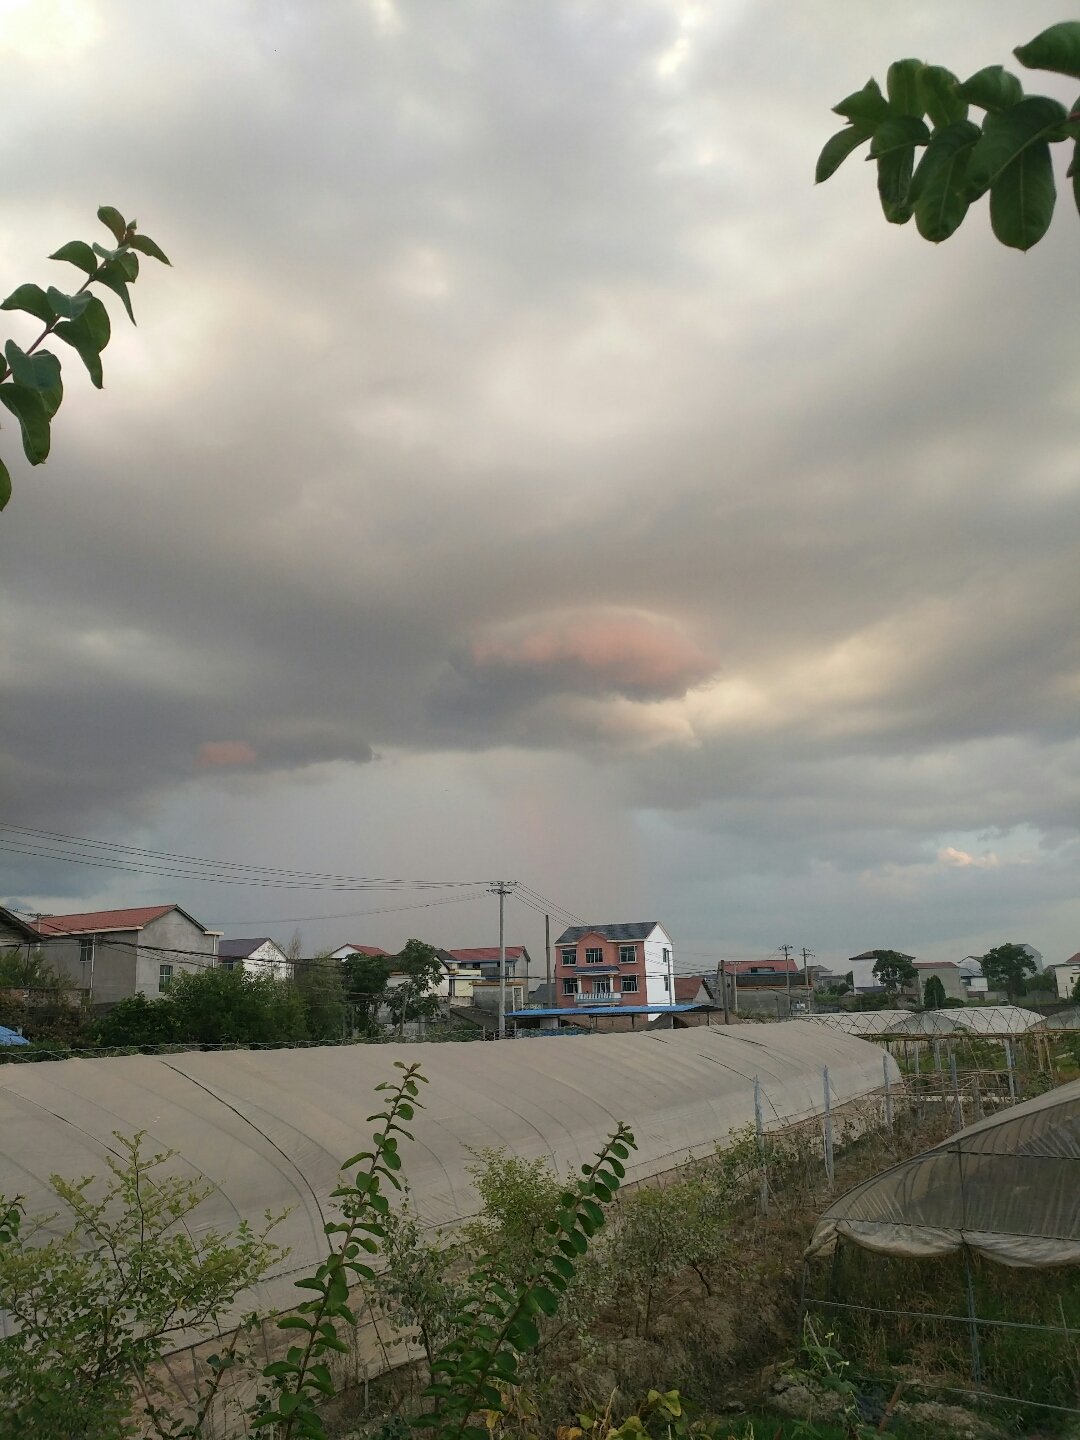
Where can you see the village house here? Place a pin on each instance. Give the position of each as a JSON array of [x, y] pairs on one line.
[[257, 957], [614, 965], [113, 954]]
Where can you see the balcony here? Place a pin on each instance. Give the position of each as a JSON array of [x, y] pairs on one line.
[[599, 997]]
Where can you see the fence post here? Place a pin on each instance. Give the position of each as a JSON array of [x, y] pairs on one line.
[[973, 1324], [958, 1112], [1011, 1069], [828, 1129], [759, 1126], [888, 1091]]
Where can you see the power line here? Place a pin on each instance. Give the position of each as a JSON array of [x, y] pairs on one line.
[[81, 849]]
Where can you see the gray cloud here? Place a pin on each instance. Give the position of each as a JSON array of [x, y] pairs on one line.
[[514, 392]]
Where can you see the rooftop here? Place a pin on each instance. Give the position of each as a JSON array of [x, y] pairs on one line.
[[94, 920], [635, 930]]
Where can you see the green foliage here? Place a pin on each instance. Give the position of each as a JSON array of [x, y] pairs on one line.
[[30, 385], [319, 985], [366, 978], [414, 997], [418, 1290], [138, 1021], [303, 1377], [499, 1321], [95, 1307], [24, 969], [894, 970], [518, 1197], [1007, 156], [1006, 967], [933, 994]]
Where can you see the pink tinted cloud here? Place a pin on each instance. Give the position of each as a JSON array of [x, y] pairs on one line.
[[218, 754], [607, 650]]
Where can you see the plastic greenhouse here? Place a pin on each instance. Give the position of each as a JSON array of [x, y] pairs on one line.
[[269, 1128]]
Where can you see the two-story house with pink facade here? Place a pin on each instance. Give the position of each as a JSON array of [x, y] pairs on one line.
[[614, 965]]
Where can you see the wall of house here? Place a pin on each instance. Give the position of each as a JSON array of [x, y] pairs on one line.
[[268, 959], [1066, 977], [949, 975], [11, 938], [106, 978], [173, 936], [649, 969]]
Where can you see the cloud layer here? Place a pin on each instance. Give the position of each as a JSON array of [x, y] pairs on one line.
[[516, 401]]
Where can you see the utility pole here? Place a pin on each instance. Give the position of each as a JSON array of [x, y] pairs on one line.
[[502, 888], [786, 950], [547, 958], [721, 981], [807, 956]]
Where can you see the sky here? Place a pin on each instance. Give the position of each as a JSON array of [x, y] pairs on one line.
[[525, 472]]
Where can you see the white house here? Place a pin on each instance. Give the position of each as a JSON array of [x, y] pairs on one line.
[[1066, 974], [258, 957]]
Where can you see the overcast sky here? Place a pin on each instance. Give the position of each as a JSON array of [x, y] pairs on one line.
[[525, 471]]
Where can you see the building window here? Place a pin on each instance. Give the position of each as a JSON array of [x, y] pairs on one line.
[[569, 957], [569, 987], [594, 957], [86, 948], [164, 977], [667, 985], [602, 985], [667, 956], [629, 984], [627, 954], [230, 964]]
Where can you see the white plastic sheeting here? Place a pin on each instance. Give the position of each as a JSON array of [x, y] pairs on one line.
[[989, 1020], [270, 1128], [1008, 1187]]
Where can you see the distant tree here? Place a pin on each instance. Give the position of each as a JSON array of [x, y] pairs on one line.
[[31, 388], [294, 950], [1042, 982], [25, 969], [319, 983], [1075, 993], [138, 1021], [415, 998], [1006, 967], [1007, 155], [366, 978], [230, 1007], [933, 993], [894, 970]]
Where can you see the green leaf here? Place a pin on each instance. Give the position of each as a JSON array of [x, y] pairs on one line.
[[992, 88], [115, 222], [288, 1403], [112, 276], [524, 1334], [937, 91], [867, 105], [5, 485], [68, 307], [144, 244], [899, 132], [595, 1214], [29, 409], [938, 187], [128, 263], [33, 300], [1056, 49], [838, 147], [902, 87], [1074, 174], [893, 146], [78, 253], [1022, 198], [547, 1300], [1007, 135]]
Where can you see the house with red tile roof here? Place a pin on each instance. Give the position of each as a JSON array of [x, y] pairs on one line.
[[113, 954], [344, 951], [626, 964]]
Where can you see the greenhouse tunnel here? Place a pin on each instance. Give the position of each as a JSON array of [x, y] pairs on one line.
[[270, 1128]]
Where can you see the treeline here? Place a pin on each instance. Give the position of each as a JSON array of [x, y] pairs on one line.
[[324, 1000]]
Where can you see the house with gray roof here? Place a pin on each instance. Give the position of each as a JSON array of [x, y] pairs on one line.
[[624, 964]]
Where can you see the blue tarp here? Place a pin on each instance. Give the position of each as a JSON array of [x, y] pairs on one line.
[[9, 1037]]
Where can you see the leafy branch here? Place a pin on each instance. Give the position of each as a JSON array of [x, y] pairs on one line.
[[31, 387], [498, 1322], [1007, 156], [304, 1374]]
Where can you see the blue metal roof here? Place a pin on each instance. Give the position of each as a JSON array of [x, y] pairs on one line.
[[565, 1012], [11, 1037]]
